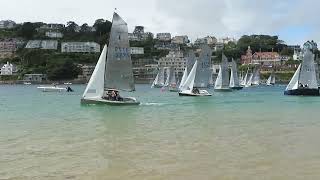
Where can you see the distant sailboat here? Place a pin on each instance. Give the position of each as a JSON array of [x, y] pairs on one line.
[[113, 71], [234, 79], [304, 81], [187, 88], [166, 84], [248, 79], [159, 80], [256, 76], [222, 81], [173, 87], [211, 82], [272, 79]]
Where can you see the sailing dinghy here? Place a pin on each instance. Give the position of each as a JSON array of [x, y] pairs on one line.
[[159, 80], [187, 88], [222, 81], [304, 81], [234, 79], [272, 79], [113, 71]]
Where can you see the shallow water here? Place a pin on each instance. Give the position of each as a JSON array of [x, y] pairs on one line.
[[256, 133]]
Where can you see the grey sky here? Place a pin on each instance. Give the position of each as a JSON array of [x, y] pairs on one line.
[[294, 21]]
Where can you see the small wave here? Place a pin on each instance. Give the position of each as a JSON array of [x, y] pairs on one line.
[[153, 104]]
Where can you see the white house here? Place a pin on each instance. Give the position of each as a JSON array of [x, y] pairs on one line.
[[137, 50], [52, 34], [7, 69], [80, 47]]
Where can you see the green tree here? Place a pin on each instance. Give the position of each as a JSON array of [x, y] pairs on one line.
[[27, 30], [84, 28], [64, 71], [102, 27], [71, 27]]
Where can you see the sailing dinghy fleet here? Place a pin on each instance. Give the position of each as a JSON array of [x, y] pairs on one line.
[[113, 73]]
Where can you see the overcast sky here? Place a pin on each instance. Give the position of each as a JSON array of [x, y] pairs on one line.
[[295, 21]]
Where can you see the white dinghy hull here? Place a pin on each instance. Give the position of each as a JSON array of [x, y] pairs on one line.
[[126, 101], [190, 93]]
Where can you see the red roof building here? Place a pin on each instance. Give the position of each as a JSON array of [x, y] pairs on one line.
[[262, 58]]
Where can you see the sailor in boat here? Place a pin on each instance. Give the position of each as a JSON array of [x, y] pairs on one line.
[[69, 89], [195, 91], [112, 95]]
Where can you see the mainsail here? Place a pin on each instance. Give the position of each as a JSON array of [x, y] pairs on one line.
[[203, 68], [119, 73], [95, 87], [222, 81], [234, 79], [308, 74]]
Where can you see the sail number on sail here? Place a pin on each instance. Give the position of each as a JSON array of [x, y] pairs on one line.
[[121, 52]]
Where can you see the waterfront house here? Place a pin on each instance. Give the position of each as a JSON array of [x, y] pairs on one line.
[[137, 50], [80, 47], [8, 69], [42, 44]]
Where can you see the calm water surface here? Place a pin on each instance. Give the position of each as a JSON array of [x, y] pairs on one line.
[[256, 133]]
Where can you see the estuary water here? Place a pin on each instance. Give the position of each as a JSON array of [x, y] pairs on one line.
[[256, 133]]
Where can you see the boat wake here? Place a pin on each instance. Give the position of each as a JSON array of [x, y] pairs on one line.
[[153, 104]]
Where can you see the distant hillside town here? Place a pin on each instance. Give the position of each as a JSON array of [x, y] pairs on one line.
[[42, 52]]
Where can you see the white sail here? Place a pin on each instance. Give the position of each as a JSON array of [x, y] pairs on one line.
[[184, 78], [269, 80], [294, 82], [272, 79], [155, 81], [222, 81], [188, 85], [243, 80], [249, 80], [232, 84], [218, 83], [159, 80], [95, 87]]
